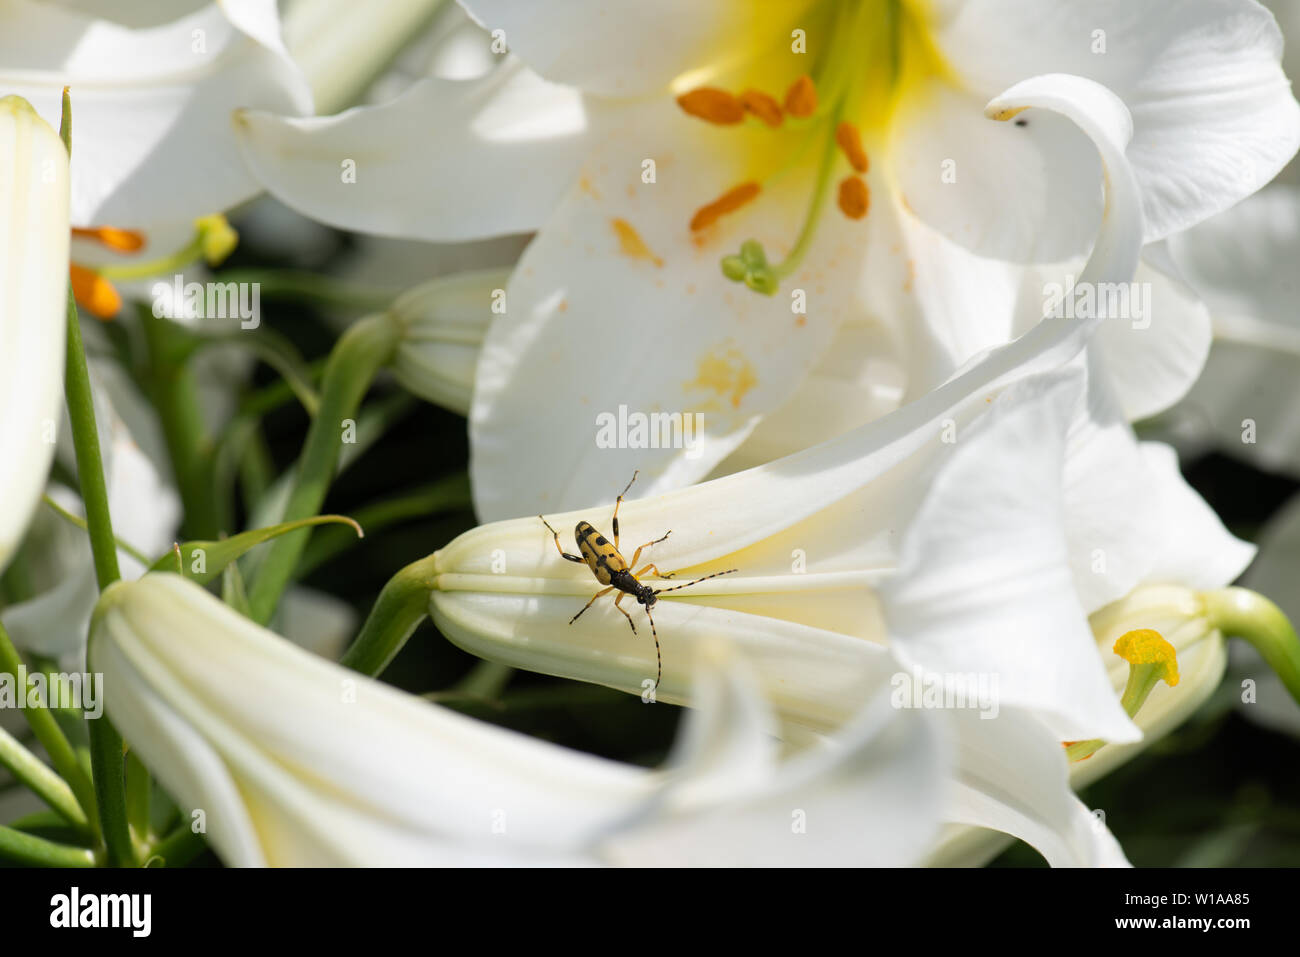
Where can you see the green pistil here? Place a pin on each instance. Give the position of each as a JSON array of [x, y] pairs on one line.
[[835, 89]]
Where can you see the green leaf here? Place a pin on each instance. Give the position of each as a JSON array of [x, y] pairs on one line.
[[203, 561]]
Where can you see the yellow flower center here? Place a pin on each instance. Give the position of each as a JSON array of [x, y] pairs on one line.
[[855, 62]]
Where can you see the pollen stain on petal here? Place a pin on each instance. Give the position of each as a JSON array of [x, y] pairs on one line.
[[850, 141], [728, 375], [631, 244]]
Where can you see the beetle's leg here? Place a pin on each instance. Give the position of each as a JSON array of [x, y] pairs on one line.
[[621, 596], [655, 568], [603, 591], [619, 501], [637, 554], [556, 535]]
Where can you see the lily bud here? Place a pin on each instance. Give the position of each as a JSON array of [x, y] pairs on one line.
[[34, 241]]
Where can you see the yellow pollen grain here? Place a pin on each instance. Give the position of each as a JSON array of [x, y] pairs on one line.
[[801, 98], [631, 244], [712, 105], [94, 293], [763, 106], [1143, 646], [728, 202], [850, 141], [728, 375], [855, 198], [119, 240]]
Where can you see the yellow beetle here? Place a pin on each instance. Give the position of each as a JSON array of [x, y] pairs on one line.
[[612, 570]]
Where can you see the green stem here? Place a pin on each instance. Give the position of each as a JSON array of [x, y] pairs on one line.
[[43, 782], [174, 392], [110, 790], [359, 354], [1241, 613], [401, 606], [173, 262], [105, 742], [48, 732], [80, 522], [90, 466], [138, 788], [35, 851]]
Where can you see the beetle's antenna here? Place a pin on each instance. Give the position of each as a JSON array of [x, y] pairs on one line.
[[697, 581], [659, 660]]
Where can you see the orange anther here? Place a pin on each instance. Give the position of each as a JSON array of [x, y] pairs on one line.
[[855, 198], [120, 240], [801, 98], [94, 293], [712, 105], [763, 106], [850, 141], [728, 202]]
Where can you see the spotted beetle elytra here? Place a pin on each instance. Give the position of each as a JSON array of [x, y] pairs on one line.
[[617, 574]]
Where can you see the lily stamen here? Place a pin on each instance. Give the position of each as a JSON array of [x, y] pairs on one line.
[[1151, 660]]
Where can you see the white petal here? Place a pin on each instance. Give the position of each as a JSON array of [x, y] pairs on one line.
[[1012, 777], [629, 48], [870, 797], [410, 181], [1241, 263], [33, 303], [1153, 360], [372, 764], [1168, 534], [984, 585], [617, 312], [151, 106], [1213, 115]]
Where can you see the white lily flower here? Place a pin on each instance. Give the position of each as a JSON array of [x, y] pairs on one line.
[[154, 142], [615, 236], [950, 556], [33, 308], [297, 761]]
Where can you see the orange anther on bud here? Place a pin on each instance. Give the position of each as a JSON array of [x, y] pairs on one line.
[[763, 106], [801, 98], [728, 202], [712, 105], [119, 240], [855, 198], [850, 141], [94, 293]]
